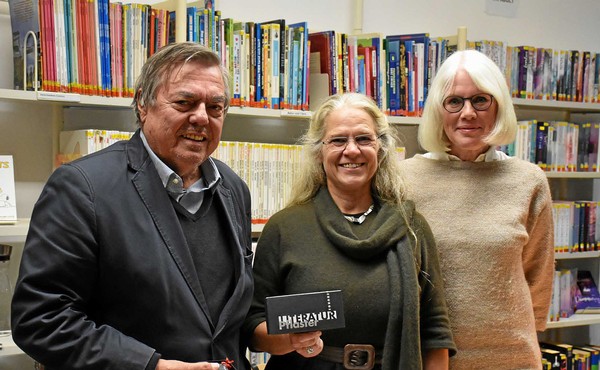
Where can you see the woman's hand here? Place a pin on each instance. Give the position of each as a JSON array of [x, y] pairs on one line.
[[307, 344]]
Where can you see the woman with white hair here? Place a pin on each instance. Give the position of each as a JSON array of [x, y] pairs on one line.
[[491, 216]]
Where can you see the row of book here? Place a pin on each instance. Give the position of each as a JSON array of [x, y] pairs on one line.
[[564, 356], [573, 291], [557, 145], [576, 226], [74, 144], [97, 47], [268, 169], [395, 70], [544, 73], [89, 47], [269, 63]]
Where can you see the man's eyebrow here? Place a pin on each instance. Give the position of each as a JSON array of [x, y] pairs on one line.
[[184, 94], [218, 98]]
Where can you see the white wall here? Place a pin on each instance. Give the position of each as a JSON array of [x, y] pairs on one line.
[[561, 24]]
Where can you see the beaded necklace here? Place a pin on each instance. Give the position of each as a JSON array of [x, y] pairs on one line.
[[359, 219]]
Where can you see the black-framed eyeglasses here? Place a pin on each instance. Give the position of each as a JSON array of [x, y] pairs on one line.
[[361, 141], [479, 102]]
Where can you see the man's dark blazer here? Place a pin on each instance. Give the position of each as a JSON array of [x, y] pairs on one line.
[[106, 277]]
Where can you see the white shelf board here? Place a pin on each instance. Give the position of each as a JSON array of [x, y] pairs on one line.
[[556, 105], [90, 100], [573, 175], [77, 100], [257, 229], [64, 99], [575, 320], [576, 255], [14, 233], [409, 121]]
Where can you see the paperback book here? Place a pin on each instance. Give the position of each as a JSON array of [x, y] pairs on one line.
[[588, 298], [8, 204], [24, 19]]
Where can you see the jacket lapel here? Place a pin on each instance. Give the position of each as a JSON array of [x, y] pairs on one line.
[[232, 305], [157, 202]]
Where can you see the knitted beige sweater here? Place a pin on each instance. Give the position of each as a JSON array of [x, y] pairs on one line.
[[493, 225]]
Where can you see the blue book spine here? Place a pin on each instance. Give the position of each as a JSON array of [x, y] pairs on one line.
[[103, 46], [361, 76], [107, 56], [191, 17], [295, 70], [259, 71], [201, 27], [275, 45], [394, 76], [410, 84], [68, 41]]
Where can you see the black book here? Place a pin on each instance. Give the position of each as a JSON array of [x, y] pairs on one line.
[[305, 312]]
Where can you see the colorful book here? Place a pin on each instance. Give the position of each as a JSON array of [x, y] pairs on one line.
[[300, 63], [415, 58], [588, 298], [322, 43], [394, 75], [279, 55], [8, 203], [565, 349], [24, 17], [375, 76]]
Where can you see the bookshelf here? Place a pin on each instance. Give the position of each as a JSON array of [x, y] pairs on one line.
[[577, 255], [568, 186], [242, 123], [285, 122], [14, 233], [575, 320]]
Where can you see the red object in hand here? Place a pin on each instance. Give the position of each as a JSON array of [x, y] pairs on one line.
[[227, 364]]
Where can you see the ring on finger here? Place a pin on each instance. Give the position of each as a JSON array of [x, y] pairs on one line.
[[310, 350]]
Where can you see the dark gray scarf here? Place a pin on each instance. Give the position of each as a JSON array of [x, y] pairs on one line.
[[388, 234]]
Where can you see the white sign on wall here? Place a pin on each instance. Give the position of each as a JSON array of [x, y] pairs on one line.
[[503, 8]]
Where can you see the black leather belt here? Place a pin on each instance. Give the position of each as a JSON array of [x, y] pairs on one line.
[[352, 356]]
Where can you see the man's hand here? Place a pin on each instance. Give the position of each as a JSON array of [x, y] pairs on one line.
[[178, 365]]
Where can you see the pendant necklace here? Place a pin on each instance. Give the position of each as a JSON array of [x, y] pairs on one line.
[[360, 219]]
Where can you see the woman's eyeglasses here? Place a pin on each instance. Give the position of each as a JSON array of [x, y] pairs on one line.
[[479, 102], [361, 141]]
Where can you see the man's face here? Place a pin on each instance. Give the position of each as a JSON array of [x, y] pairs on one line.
[[184, 126]]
